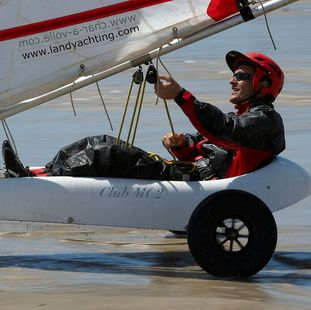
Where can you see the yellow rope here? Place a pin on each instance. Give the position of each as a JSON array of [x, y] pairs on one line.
[[134, 113], [139, 110], [139, 99], [169, 116], [171, 125], [173, 162], [125, 110], [158, 59]]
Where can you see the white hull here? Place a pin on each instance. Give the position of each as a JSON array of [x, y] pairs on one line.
[[141, 203]]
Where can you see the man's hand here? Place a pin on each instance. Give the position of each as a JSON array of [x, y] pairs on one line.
[[167, 87], [172, 140]]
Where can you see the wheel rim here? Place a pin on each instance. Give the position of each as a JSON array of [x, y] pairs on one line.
[[232, 235]]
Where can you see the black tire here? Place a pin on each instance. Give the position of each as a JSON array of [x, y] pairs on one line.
[[232, 234]]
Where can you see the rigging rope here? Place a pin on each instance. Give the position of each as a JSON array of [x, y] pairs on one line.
[[158, 59], [103, 102], [125, 111], [139, 110], [189, 164], [152, 77], [253, 2], [72, 105], [9, 135], [267, 24], [137, 78], [134, 112]]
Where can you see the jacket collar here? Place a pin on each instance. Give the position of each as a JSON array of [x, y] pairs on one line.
[[255, 102]]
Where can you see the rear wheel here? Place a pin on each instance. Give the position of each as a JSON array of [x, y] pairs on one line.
[[232, 234]]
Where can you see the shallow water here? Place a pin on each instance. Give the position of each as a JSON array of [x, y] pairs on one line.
[[82, 267]]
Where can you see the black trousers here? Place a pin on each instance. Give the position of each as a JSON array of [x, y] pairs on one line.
[[102, 156]]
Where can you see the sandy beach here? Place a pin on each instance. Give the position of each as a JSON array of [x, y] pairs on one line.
[[54, 266]]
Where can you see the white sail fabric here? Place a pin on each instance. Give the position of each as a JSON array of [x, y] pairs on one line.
[[47, 44]]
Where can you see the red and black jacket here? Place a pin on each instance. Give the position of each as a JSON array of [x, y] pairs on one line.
[[251, 137]]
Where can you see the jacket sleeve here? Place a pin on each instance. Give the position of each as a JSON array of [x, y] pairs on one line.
[[188, 150], [254, 129]]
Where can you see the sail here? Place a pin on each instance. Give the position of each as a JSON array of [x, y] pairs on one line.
[[46, 45]]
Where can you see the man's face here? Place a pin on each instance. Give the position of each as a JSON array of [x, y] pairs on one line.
[[242, 90]]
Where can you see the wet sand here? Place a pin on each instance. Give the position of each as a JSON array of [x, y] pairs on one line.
[[82, 267], [49, 266]]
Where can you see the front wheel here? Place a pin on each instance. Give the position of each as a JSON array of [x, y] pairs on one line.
[[232, 234]]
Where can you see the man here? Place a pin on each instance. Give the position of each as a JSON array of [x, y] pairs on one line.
[[226, 145], [235, 143]]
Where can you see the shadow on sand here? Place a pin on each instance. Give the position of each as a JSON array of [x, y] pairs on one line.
[[284, 266]]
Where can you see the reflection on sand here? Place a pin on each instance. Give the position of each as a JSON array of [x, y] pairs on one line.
[[55, 259]]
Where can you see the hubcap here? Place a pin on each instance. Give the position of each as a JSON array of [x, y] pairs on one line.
[[232, 235]]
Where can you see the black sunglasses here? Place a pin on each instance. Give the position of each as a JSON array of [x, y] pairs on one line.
[[242, 76]]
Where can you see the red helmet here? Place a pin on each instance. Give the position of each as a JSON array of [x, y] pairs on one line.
[[265, 69]]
